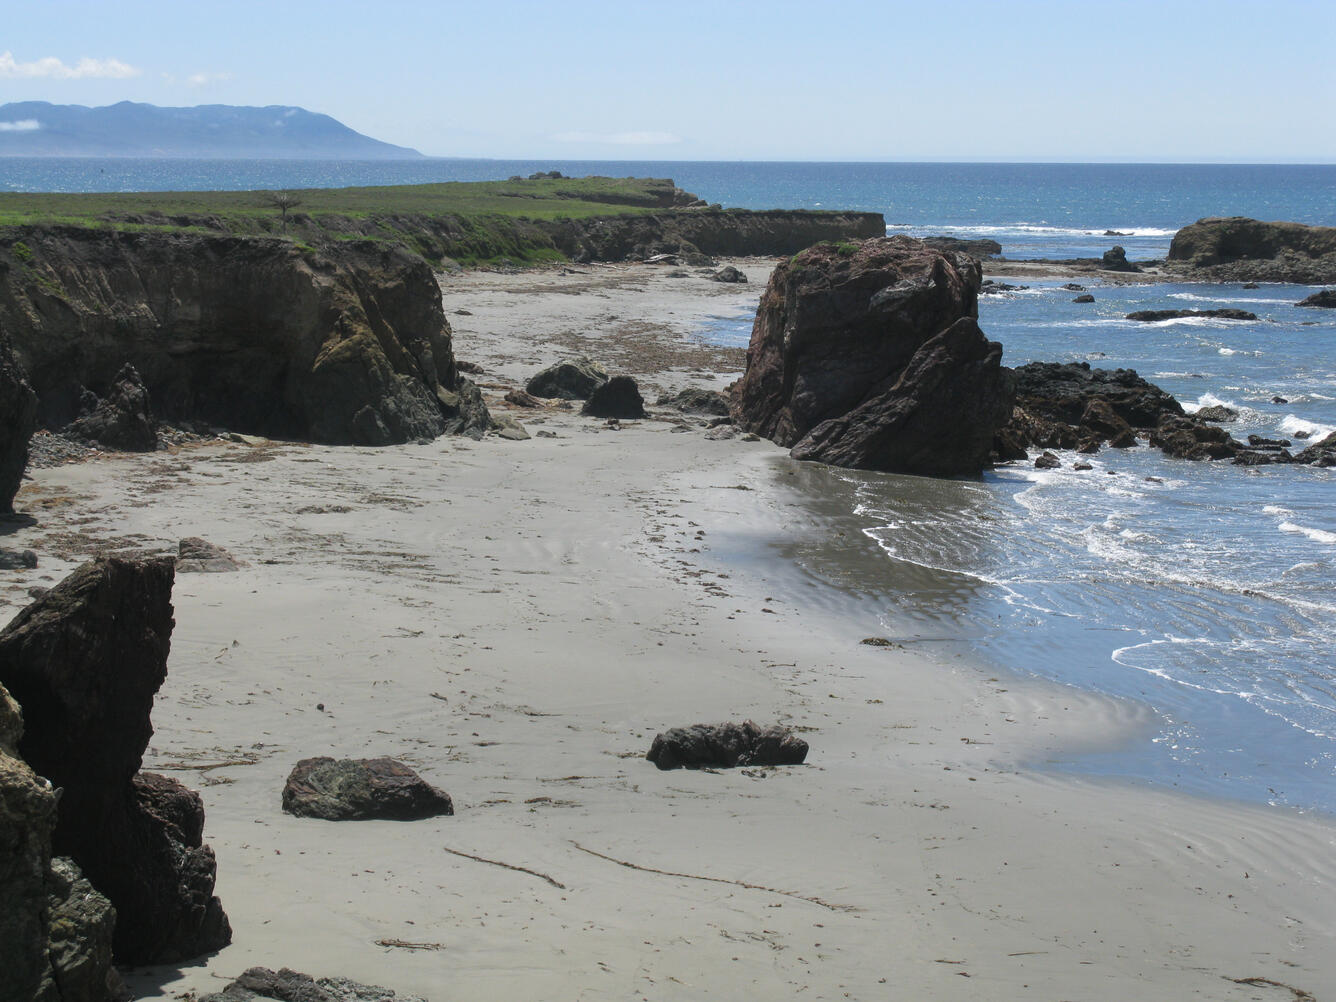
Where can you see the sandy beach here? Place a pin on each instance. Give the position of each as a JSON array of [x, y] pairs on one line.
[[518, 619]]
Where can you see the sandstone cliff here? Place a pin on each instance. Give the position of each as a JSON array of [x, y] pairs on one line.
[[1238, 249], [345, 344]]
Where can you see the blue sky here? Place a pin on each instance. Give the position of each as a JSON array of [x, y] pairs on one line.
[[1176, 80]]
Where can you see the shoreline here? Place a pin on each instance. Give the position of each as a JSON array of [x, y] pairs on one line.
[[550, 591]]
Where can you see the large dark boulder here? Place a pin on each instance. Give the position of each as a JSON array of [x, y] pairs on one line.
[[122, 419], [938, 418], [84, 661], [1191, 438], [619, 397], [1321, 453], [18, 420], [361, 789], [1115, 259], [572, 379], [842, 336], [259, 984], [726, 745]]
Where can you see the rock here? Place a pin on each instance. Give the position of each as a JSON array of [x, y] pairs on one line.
[[1190, 438], [1321, 453], [122, 420], [1101, 420], [721, 433], [1082, 467], [955, 245], [522, 398], [729, 274], [1086, 298], [1279, 400], [27, 817], [84, 662], [570, 380], [995, 288], [1048, 461], [361, 789], [1153, 316], [1251, 285], [290, 986], [618, 398], [18, 420], [1062, 391], [693, 400], [873, 359], [1115, 259], [82, 924], [1326, 299], [15, 560], [726, 745], [197, 556], [1238, 249], [510, 429], [1258, 442], [1074, 287], [347, 344], [1217, 412]]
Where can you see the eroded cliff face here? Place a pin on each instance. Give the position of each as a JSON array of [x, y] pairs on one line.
[[346, 345]]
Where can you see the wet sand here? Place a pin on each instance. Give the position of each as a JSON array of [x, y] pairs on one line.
[[517, 620]]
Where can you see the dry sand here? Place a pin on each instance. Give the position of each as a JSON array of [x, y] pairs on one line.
[[518, 619]]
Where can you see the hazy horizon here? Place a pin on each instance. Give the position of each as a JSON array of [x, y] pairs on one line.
[[853, 82]]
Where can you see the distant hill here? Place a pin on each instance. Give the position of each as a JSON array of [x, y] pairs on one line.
[[37, 128]]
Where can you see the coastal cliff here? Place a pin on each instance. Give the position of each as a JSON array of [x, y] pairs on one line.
[[345, 345]]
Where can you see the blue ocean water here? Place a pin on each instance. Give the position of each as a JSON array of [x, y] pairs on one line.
[[1204, 590]]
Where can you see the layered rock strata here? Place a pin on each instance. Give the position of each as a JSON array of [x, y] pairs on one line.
[[868, 355], [345, 345]]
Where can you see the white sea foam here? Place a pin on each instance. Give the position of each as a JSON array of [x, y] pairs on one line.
[[1316, 535], [1292, 423], [1026, 228], [1194, 297]]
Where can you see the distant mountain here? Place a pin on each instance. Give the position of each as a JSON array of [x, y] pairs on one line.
[[37, 128]]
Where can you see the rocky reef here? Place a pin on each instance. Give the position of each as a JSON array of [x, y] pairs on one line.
[[868, 355], [347, 344], [1239, 249]]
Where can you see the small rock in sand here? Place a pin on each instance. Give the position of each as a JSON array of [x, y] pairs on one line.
[[361, 789], [726, 745]]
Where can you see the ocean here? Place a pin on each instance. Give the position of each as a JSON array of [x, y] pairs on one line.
[[1203, 590]]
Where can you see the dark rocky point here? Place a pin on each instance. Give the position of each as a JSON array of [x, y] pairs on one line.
[[1326, 299], [1115, 259], [618, 398], [1238, 249], [360, 790], [724, 746], [1084, 298]]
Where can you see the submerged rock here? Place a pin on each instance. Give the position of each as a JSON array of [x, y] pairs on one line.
[[361, 789], [1153, 316], [726, 745], [868, 356]]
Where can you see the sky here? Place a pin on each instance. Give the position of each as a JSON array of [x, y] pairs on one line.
[[823, 80]]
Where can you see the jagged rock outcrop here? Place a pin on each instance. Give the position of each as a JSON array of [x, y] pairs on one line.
[[80, 930], [345, 344], [868, 355], [260, 983], [725, 746], [122, 420], [84, 661], [619, 397], [1238, 249], [18, 420], [1191, 438], [1062, 391], [572, 379], [1115, 259], [349, 789]]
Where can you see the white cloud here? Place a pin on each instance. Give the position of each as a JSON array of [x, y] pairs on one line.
[[111, 69], [645, 138], [204, 79], [25, 125]]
